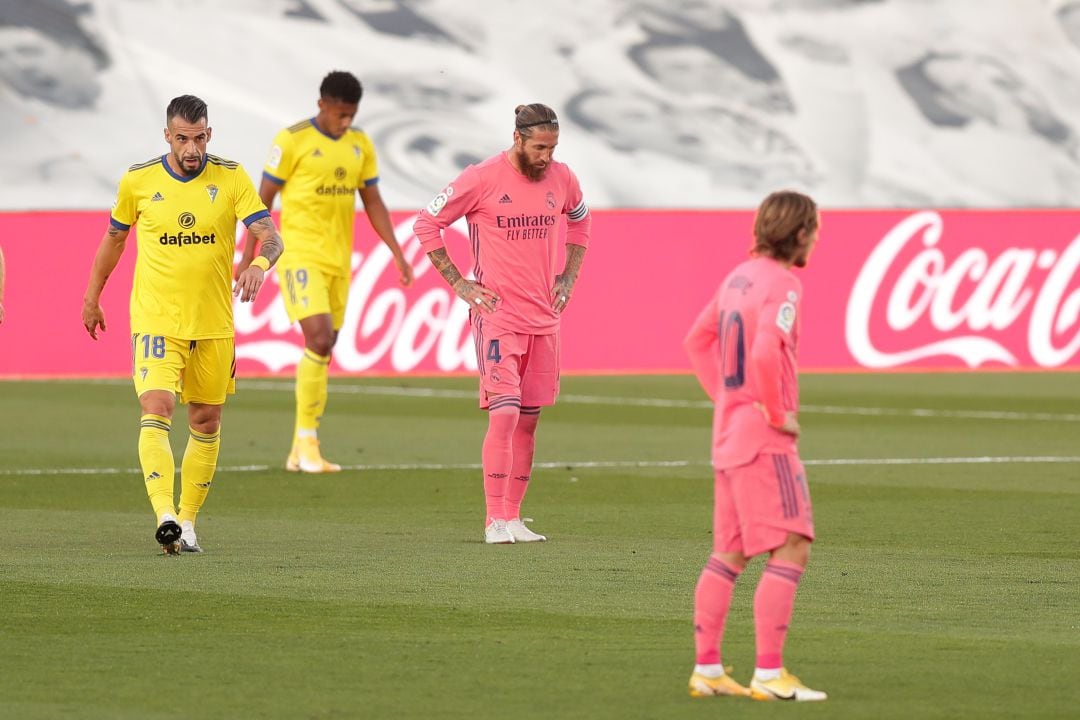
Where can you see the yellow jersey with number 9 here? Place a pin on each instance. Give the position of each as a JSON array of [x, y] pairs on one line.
[[186, 237], [320, 176]]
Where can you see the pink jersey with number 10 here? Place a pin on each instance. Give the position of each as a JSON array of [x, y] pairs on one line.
[[743, 348], [514, 227]]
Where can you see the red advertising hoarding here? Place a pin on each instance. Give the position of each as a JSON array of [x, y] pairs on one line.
[[884, 290]]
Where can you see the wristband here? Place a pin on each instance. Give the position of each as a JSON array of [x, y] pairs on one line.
[[261, 262]]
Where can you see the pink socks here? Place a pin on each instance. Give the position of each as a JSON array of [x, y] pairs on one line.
[[498, 454], [524, 445], [712, 598], [774, 601]]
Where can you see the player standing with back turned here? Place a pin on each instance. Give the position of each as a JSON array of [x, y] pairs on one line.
[[743, 348]]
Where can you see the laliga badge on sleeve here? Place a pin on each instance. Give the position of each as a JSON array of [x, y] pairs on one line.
[[785, 317], [275, 157], [436, 205]]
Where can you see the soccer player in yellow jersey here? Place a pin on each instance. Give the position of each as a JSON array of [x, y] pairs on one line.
[[318, 166], [185, 205]]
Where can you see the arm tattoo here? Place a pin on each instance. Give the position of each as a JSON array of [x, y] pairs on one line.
[[442, 262], [272, 247], [575, 254], [270, 243]]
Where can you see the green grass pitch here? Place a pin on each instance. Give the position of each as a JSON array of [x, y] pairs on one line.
[[941, 589]]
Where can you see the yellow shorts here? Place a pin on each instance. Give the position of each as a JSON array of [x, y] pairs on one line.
[[202, 371], [308, 291]]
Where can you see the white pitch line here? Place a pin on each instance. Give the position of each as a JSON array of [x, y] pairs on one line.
[[420, 392], [928, 413], [576, 464], [983, 460], [472, 394]]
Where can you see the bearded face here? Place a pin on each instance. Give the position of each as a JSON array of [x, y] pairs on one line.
[[534, 170], [534, 153]]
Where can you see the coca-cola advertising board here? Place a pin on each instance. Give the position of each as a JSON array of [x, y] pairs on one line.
[[897, 290]]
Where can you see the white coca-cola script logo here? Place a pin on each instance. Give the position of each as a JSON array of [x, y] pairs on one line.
[[997, 290], [381, 326]]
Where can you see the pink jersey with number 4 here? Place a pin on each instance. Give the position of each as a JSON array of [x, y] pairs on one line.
[[743, 348], [514, 228]]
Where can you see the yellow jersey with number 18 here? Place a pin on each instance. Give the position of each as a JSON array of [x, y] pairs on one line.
[[319, 176], [186, 236]]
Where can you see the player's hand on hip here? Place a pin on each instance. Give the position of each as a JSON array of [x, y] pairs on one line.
[[790, 424], [560, 293], [93, 317], [248, 283], [478, 296], [405, 270]]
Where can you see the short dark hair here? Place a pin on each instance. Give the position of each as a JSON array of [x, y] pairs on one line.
[[188, 107], [779, 219], [343, 86]]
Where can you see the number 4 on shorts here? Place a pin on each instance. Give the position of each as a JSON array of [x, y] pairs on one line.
[[493, 352]]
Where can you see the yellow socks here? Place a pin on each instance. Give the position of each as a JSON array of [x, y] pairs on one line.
[[197, 471], [312, 374], [158, 465]]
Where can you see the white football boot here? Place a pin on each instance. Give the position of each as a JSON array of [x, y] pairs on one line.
[[188, 541], [496, 533], [523, 534]]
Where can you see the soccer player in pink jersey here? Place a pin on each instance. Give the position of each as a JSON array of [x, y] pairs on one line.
[[743, 348], [513, 203]]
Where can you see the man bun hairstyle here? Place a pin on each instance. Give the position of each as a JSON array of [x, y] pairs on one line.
[[537, 115], [778, 221], [186, 107], [343, 86]]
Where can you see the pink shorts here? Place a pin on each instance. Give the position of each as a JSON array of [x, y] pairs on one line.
[[515, 364], [758, 504]]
